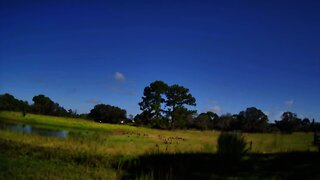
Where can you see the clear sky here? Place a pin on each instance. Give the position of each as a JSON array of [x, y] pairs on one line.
[[230, 54]]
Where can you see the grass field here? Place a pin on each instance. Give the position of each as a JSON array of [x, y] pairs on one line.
[[94, 150]]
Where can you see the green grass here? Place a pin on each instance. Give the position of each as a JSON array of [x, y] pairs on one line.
[[95, 149]]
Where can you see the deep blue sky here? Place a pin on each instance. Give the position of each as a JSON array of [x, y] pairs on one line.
[[230, 54]]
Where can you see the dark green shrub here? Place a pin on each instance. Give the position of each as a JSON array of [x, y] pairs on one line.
[[231, 147]]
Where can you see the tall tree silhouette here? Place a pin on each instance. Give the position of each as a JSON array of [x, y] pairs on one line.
[[153, 98], [177, 98], [253, 120]]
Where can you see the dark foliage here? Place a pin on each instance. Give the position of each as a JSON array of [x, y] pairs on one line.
[[44, 105], [180, 117], [10, 103], [143, 119], [231, 147], [206, 121], [153, 99], [166, 107], [108, 114], [289, 122], [161, 102], [226, 122], [177, 97], [253, 120]]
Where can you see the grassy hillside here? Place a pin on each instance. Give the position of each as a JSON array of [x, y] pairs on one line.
[[97, 150]]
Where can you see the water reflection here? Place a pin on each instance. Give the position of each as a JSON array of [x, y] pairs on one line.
[[33, 130]]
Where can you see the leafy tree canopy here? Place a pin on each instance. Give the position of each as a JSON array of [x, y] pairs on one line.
[[161, 101], [153, 98], [10, 103], [108, 114], [253, 120]]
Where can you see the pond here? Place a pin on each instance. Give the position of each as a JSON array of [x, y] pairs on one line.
[[29, 129]]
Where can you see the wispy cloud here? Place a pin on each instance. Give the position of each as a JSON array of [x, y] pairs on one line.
[[212, 106], [118, 76], [93, 101], [121, 90], [289, 103], [121, 85], [216, 109]]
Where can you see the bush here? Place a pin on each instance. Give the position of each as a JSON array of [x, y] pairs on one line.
[[231, 147]]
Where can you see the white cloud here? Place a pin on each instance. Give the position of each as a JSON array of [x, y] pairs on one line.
[[289, 103], [118, 76]]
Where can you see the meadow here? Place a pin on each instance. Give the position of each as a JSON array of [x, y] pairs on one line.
[[107, 151]]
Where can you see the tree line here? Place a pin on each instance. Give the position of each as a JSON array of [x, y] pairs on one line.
[[166, 106], [45, 106], [41, 105]]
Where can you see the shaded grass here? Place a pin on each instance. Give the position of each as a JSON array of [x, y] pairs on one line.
[[210, 166]]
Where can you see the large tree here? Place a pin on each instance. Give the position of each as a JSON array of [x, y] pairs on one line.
[[107, 114], [253, 120], [153, 98], [177, 98], [161, 101]]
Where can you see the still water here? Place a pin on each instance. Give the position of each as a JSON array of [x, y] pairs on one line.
[[32, 130]]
